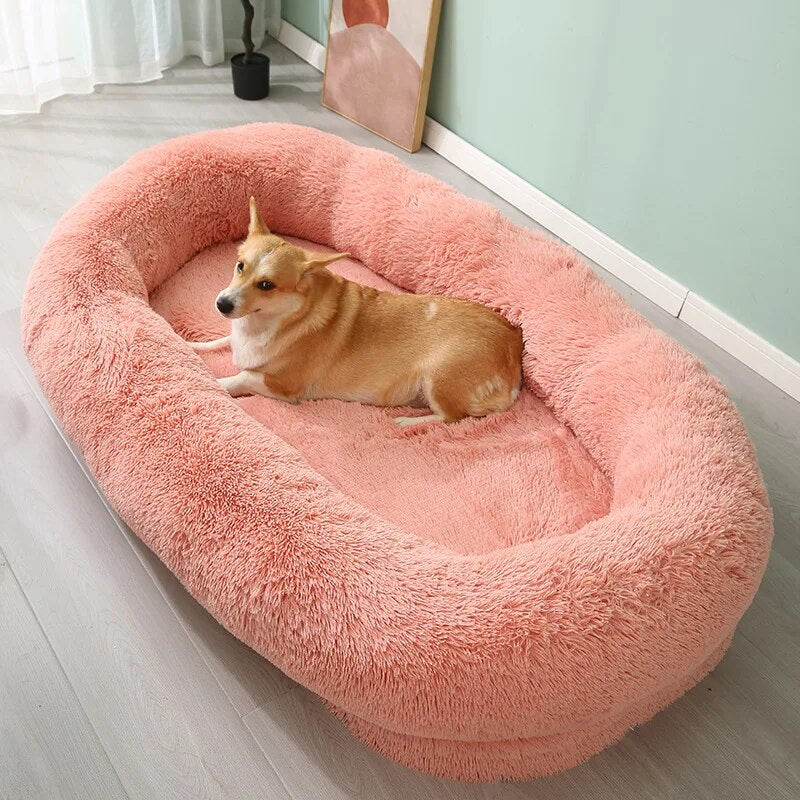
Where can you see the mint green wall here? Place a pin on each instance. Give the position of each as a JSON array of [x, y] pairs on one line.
[[672, 127], [311, 16]]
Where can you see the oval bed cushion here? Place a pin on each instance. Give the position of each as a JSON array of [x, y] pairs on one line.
[[499, 598]]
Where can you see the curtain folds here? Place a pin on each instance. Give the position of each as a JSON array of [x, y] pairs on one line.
[[54, 47]]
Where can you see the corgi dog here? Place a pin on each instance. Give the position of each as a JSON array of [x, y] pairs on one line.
[[300, 332]]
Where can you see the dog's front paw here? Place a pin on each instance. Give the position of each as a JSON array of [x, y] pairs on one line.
[[233, 386]]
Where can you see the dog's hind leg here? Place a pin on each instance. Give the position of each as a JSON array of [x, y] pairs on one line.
[[407, 421], [462, 391]]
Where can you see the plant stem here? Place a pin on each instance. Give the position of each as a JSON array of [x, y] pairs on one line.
[[247, 30]]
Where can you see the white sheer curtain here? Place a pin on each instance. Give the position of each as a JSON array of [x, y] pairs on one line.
[[54, 47]]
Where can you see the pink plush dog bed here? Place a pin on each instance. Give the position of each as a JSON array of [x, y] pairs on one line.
[[500, 598]]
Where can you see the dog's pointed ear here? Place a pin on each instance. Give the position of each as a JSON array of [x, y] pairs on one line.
[[257, 226], [316, 260]]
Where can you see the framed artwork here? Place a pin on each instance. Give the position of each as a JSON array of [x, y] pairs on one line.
[[378, 65]]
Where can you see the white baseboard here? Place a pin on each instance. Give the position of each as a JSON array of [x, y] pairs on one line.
[[302, 44], [733, 337]]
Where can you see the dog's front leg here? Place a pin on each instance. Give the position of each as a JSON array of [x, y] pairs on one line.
[[245, 382], [216, 344], [251, 382]]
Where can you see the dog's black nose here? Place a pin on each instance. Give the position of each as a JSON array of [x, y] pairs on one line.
[[224, 305]]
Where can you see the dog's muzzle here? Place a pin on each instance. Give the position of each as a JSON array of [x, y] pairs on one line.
[[224, 304]]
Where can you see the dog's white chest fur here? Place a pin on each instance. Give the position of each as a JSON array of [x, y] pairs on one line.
[[250, 342]]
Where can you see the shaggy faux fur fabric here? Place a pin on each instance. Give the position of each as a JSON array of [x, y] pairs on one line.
[[496, 599]]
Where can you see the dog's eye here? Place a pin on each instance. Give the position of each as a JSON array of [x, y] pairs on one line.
[[265, 286], [239, 266]]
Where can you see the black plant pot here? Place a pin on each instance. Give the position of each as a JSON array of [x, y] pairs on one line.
[[250, 81]]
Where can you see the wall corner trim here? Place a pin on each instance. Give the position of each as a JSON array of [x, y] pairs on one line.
[[733, 337], [764, 358], [301, 44]]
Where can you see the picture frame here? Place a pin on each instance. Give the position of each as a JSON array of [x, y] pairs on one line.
[[378, 65]]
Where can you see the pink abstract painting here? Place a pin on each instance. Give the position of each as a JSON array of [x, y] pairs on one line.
[[378, 65]]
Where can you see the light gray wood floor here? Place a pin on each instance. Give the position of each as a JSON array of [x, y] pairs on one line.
[[115, 683]]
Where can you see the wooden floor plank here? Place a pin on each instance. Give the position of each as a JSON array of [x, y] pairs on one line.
[[47, 746]]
